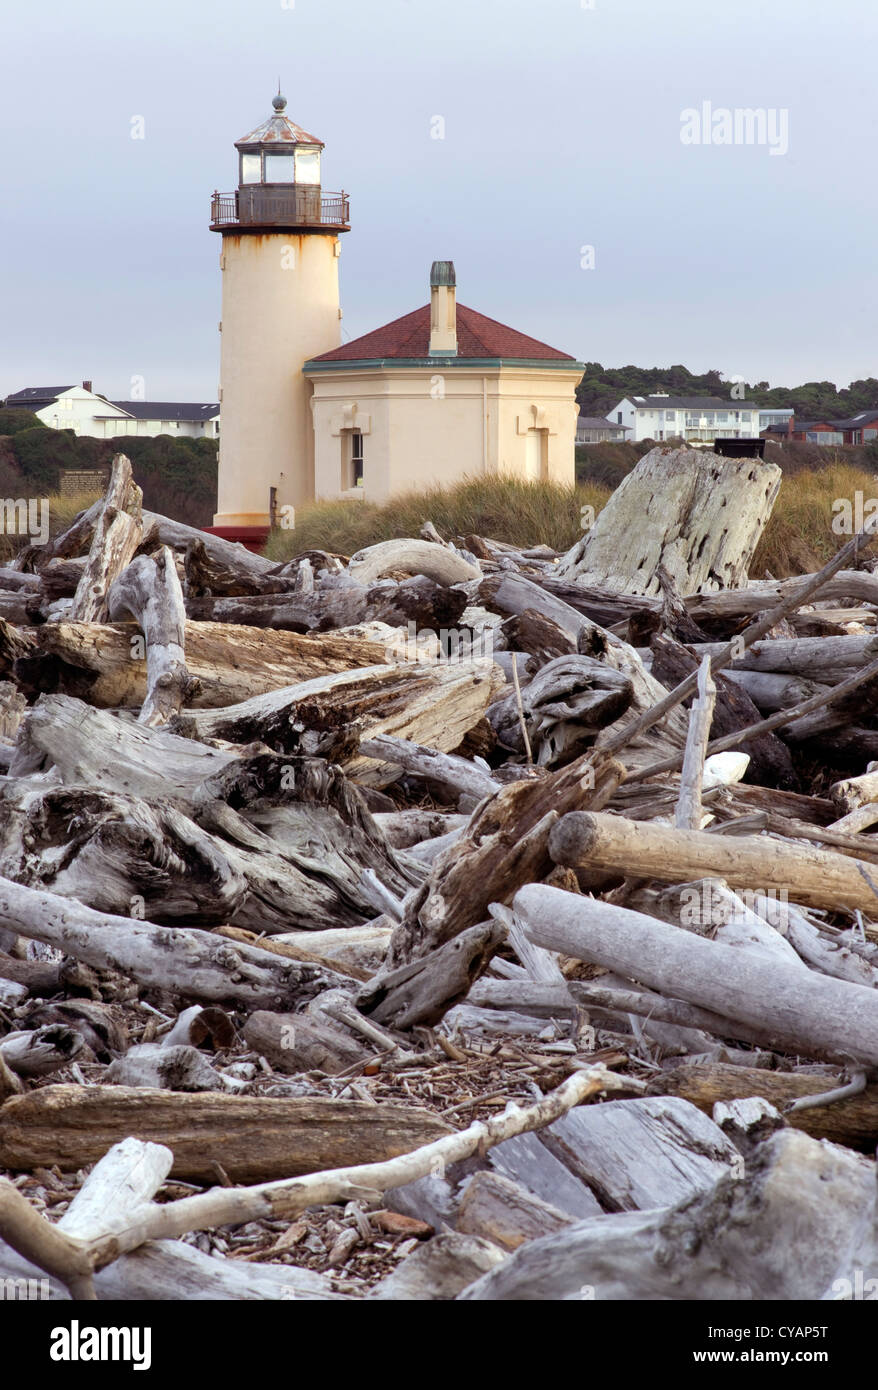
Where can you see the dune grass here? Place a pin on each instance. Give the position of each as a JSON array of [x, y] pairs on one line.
[[506, 509], [798, 538]]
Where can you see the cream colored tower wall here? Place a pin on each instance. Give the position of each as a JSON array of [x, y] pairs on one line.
[[423, 427], [280, 306]]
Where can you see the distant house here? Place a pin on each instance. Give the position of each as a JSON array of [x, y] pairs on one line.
[[772, 416], [594, 429], [805, 432], [85, 412], [859, 429], [696, 419]]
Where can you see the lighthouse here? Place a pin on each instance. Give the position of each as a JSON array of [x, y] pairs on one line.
[[280, 307]]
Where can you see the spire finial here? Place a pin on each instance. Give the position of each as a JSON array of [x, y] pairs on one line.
[[279, 102]]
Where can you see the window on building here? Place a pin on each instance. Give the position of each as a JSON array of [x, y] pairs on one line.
[[535, 455], [618, 417], [722, 417], [745, 415], [251, 168], [308, 166], [279, 168], [355, 461]]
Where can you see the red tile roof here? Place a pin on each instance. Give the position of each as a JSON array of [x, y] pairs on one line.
[[477, 336]]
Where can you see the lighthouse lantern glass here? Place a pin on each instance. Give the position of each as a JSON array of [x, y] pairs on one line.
[[308, 166], [251, 168], [279, 168]]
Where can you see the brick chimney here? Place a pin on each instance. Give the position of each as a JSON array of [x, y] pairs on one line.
[[86, 386], [443, 310]]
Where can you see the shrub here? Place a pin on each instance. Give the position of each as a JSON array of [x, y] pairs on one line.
[[13, 420]]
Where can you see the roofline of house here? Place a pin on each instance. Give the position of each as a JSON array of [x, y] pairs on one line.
[[474, 363]]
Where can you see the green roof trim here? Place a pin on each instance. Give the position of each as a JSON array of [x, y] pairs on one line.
[[532, 363]]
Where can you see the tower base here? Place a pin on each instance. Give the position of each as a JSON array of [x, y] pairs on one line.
[[251, 537]]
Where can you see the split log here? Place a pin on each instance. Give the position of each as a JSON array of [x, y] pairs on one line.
[[98, 663], [118, 531], [647, 850], [149, 590], [701, 515], [525, 1159], [328, 716], [853, 1122], [255, 1139], [807, 1013]]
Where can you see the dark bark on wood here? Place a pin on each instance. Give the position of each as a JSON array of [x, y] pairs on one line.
[[294, 1043], [853, 1122], [421, 992], [505, 846], [770, 760], [255, 1139]]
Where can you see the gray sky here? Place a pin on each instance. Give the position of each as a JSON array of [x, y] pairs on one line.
[[562, 131]]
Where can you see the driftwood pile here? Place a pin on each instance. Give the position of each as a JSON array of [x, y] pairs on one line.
[[330, 891]]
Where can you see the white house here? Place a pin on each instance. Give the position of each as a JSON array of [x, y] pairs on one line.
[[696, 419], [772, 417], [82, 410]]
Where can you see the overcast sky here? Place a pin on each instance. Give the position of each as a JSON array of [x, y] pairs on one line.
[[563, 125]]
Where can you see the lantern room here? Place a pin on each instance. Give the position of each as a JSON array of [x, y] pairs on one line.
[[279, 181]]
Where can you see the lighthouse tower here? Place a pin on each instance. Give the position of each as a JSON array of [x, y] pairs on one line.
[[280, 307]]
